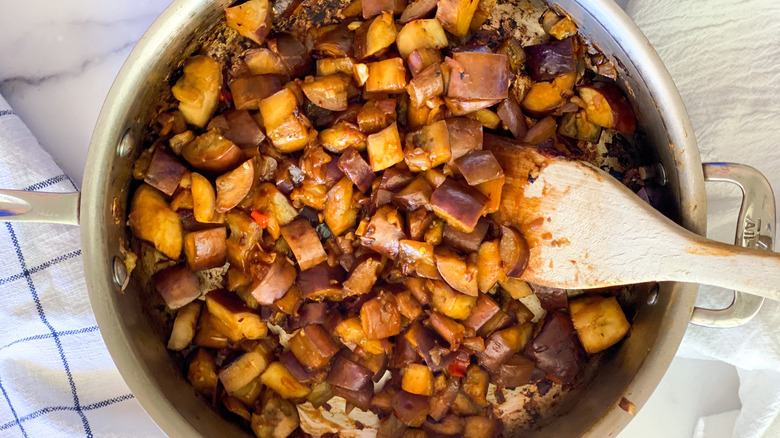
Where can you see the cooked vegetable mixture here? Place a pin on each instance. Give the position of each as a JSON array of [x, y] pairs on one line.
[[339, 180]]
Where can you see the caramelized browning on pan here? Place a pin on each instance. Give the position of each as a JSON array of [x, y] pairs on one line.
[[343, 179]]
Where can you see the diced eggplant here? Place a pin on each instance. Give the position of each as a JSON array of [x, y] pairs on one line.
[[512, 116], [206, 249], [514, 252], [304, 243], [284, 128], [341, 136], [269, 201], [466, 242], [331, 66], [420, 34], [198, 89], [207, 335], [551, 298], [417, 379], [279, 379], [516, 371], [388, 76], [475, 385], [576, 125], [290, 302], [310, 313], [489, 268], [418, 222], [204, 200], [313, 346], [422, 58], [376, 115], [250, 91], [456, 15], [245, 233], [411, 409], [443, 397], [253, 19], [244, 369], [321, 281], [599, 321], [151, 219], [360, 398], [544, 98], [356, 169], [408, 305], [460, 205], [339, 213], [546, 61], [516, 288], [487, 118], [329, 92], [492, 190], [293, 54], [363, 276], [479, 76], [237, 320], [164, 171], [384, 148], [277, 419], [384, 231], [453, 332], [212, 152], [608, 107], [479, 167], [232, 187], [372, 8], [375, 35], [347, 374], [426, 85], [351, 330], [514, 51], [417, 10], [184, 326], [296, 368], [337, 42], [275, 282], [416, 195], [481, 14], [556, 349], [238, 127], [264, 62], [177, 285], [380, 317], [484, 310], [542, 131], [457, 271], [417, 258], [449, 301], [465, 136], [202, 372], [463, 107], [434, 141], [497, 351]]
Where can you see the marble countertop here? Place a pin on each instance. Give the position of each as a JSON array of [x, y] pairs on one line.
[[57, 62]]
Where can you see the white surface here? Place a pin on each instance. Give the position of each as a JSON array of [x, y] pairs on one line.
[[58, 59]]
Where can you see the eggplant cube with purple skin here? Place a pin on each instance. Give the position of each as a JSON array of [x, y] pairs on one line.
[[458, 204]]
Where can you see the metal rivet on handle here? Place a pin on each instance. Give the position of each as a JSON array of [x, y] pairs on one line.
[[125, 145], [652, 298], [120, 271], [655, 174]]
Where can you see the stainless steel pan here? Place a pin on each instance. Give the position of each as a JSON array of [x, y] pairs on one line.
[[136, 342]]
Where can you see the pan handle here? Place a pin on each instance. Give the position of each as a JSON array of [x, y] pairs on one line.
[[56, 208], [755, 229]]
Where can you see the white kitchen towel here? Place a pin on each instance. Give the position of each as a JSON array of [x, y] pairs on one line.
[[56, 376], [724, 56]]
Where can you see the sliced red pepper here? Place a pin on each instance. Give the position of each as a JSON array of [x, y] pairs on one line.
[[457, 368], [260, 218]]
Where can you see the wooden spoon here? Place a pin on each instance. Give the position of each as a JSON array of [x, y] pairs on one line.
[[586, 230]]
